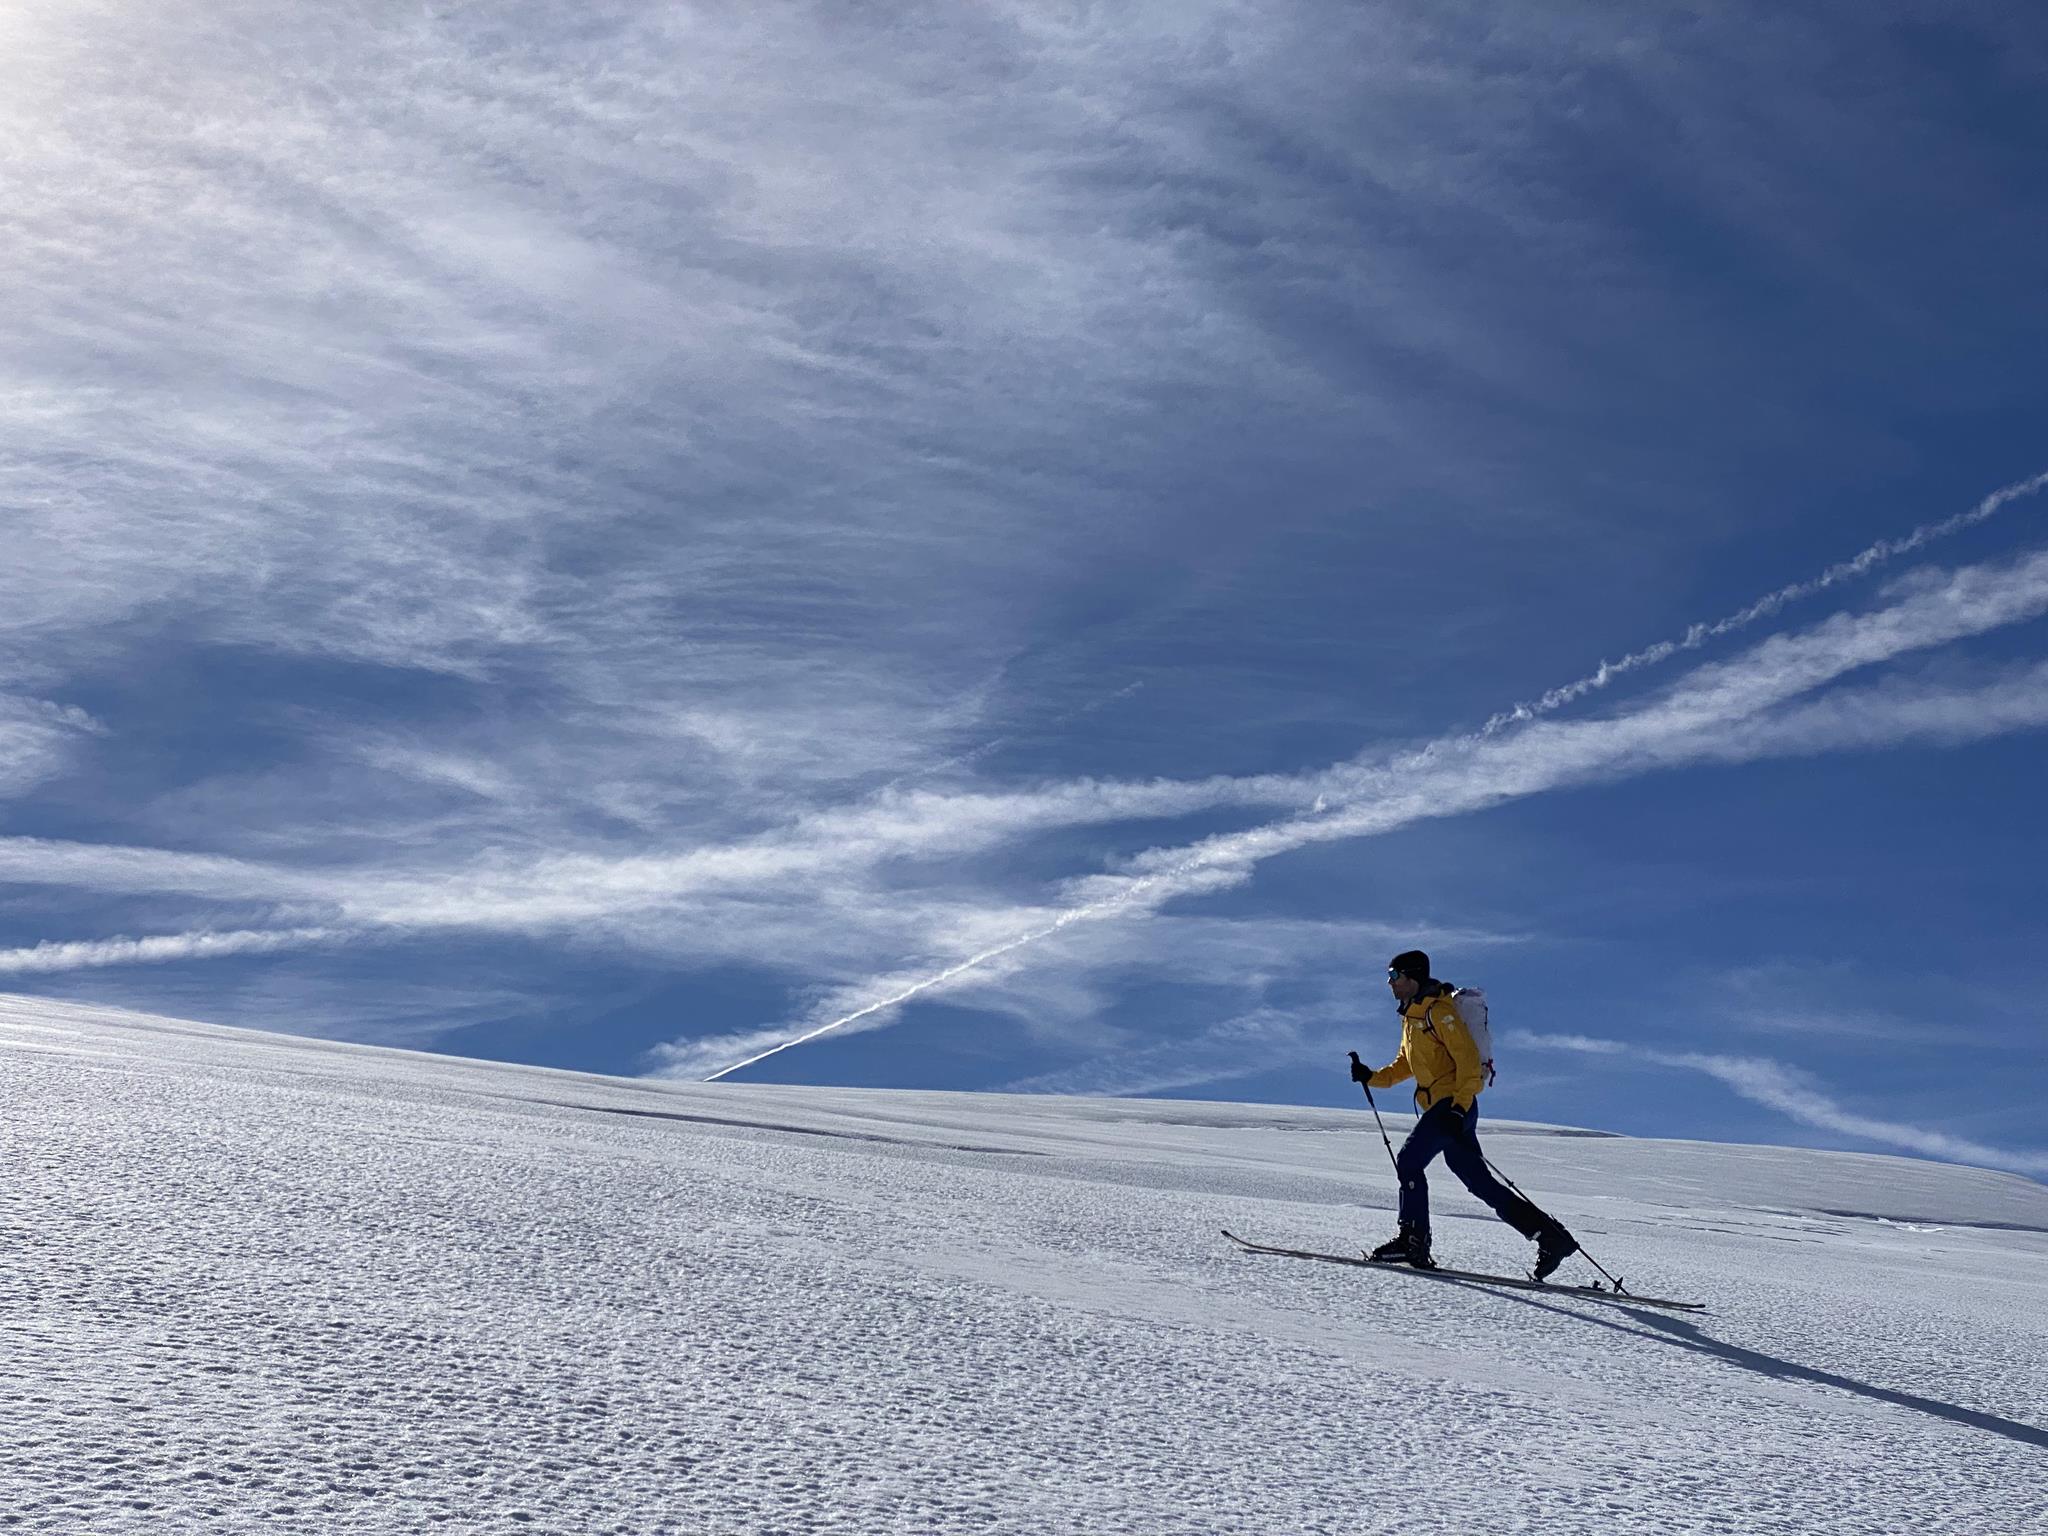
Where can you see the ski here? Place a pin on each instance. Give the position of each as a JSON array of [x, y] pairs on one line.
[[1473, 1277]]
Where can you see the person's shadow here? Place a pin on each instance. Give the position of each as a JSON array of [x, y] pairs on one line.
[[1685, 1335]]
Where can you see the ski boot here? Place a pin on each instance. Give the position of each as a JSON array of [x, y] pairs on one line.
[[1406, 1247], [1553, 1246]]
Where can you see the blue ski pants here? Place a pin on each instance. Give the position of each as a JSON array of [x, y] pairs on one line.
[[1442, 1130]]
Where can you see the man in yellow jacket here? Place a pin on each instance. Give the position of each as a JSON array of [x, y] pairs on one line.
[[1437, 1051]]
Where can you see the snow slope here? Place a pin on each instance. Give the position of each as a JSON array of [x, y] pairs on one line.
[[254, 1283]]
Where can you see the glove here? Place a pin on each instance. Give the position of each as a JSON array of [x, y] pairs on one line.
[[1360, 1072], [1448, 1108]]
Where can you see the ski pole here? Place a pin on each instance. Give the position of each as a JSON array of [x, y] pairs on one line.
[[1377, 1120], [1511, 1184]]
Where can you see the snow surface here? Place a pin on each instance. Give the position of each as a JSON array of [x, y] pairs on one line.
[[257, 1283]]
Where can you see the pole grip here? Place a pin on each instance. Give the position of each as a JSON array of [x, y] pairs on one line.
[[1361, 1083]]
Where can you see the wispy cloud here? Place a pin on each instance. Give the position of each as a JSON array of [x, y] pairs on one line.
[[114, 869], [1697, 719], [158, 949], [37, 738], [1798, 1095], [1946, 711], [412, 350], [313, 355], [1230, 1050]]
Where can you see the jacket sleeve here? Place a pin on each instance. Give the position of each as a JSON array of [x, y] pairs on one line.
[[1396, 1071], [1457, 1040]]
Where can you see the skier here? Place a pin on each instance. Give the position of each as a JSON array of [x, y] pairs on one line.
[[1437, 1051]]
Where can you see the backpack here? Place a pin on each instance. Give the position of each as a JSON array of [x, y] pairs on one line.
[[1471, 1005]]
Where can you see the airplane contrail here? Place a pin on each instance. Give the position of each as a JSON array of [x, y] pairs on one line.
[[1071, 915], [59, 955], [1699, 634]]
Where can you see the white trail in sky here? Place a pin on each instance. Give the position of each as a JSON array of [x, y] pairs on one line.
[[1699, 634], [158, 949], [1243, 849], [959, 968]]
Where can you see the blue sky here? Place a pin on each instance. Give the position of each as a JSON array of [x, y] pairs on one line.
[[1009, 539]]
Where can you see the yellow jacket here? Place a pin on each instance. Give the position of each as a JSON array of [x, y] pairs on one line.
[[1437, 1051]]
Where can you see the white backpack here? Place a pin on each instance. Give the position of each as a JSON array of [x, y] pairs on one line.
[[1471, 1004]]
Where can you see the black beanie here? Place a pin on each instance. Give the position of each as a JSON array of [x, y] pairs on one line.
[[1411, 962]]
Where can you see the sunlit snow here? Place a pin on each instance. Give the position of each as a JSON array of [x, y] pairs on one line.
[[256, 1283]]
